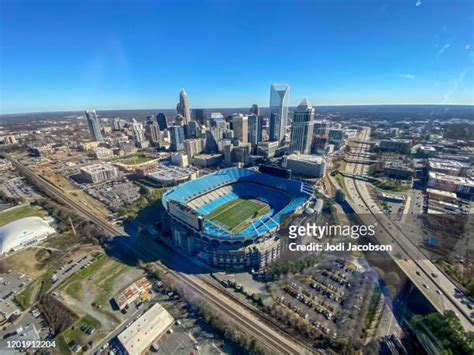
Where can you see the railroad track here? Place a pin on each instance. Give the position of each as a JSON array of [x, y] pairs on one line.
[[276, 340]]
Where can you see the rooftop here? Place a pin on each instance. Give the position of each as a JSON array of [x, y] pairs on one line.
[[97, 168], [146, 329], [171, 172], [306, 157], [455, 179], [447, 164]]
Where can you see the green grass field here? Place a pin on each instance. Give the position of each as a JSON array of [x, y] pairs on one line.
[[236, 213], [19, 212], [136, 159]]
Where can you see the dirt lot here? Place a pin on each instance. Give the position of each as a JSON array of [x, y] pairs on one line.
[[63, 183], [90, 292]]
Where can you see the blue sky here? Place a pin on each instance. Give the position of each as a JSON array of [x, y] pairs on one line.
[[68, 54]]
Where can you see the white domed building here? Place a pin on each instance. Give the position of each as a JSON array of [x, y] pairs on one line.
[[22, 233]]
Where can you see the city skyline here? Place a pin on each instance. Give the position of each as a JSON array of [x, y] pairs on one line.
[[397, 53]]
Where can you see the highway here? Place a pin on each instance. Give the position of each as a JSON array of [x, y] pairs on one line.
[[438, 289], [237, 312]]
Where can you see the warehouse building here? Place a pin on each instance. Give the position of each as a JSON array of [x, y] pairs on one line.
[[150, 327]]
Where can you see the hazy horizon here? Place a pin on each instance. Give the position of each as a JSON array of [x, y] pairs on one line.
[[440, 108]]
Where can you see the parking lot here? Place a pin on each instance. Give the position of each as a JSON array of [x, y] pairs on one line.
[[12, 284], [71, 267], [115, 194], [328, 296], [17, 188]]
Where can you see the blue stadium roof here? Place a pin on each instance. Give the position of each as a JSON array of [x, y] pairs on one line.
[[282, 195]]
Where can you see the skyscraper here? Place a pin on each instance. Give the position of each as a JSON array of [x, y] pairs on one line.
[[161, 120], [183, 107], [94, 127], [279, 98], [192, 130], [154, 132], [255, 110], [193, 147], [138, 133], [255, 129], [240, 124], [150, 119], [302, 128], [176, 138], [197, 114]]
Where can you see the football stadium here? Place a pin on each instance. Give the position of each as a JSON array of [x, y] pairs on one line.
[[230, 218]]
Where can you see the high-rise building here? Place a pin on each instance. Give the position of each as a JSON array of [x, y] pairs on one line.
[[197, 114], [138, 132], [94, 127], [302, 128], [240, 124], [255, 129], [150, 119], [161, 120], [9, 139], [119, 124], [255, 110], [183, 107], [193, 147], [154, 131], [176, 138], [279, 99], [192, 130]]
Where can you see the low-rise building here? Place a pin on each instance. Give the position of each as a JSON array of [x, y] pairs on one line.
[[179, 159], [306, 165], [41, 151], [398, 170], [130, 294], [267, 149], [426, 151], [146, 330], [170, 175], [5, 165], [461, 185], [99, 172], [103, 153], [448, 167], [87, 146], [396, 145], [435, 194], [207, 160]]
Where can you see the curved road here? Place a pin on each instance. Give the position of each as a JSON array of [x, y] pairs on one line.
[[435, 285]]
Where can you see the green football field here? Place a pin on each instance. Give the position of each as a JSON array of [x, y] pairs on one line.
[[235, 214]]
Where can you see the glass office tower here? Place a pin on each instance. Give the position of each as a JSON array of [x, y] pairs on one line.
[[279, 99]]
